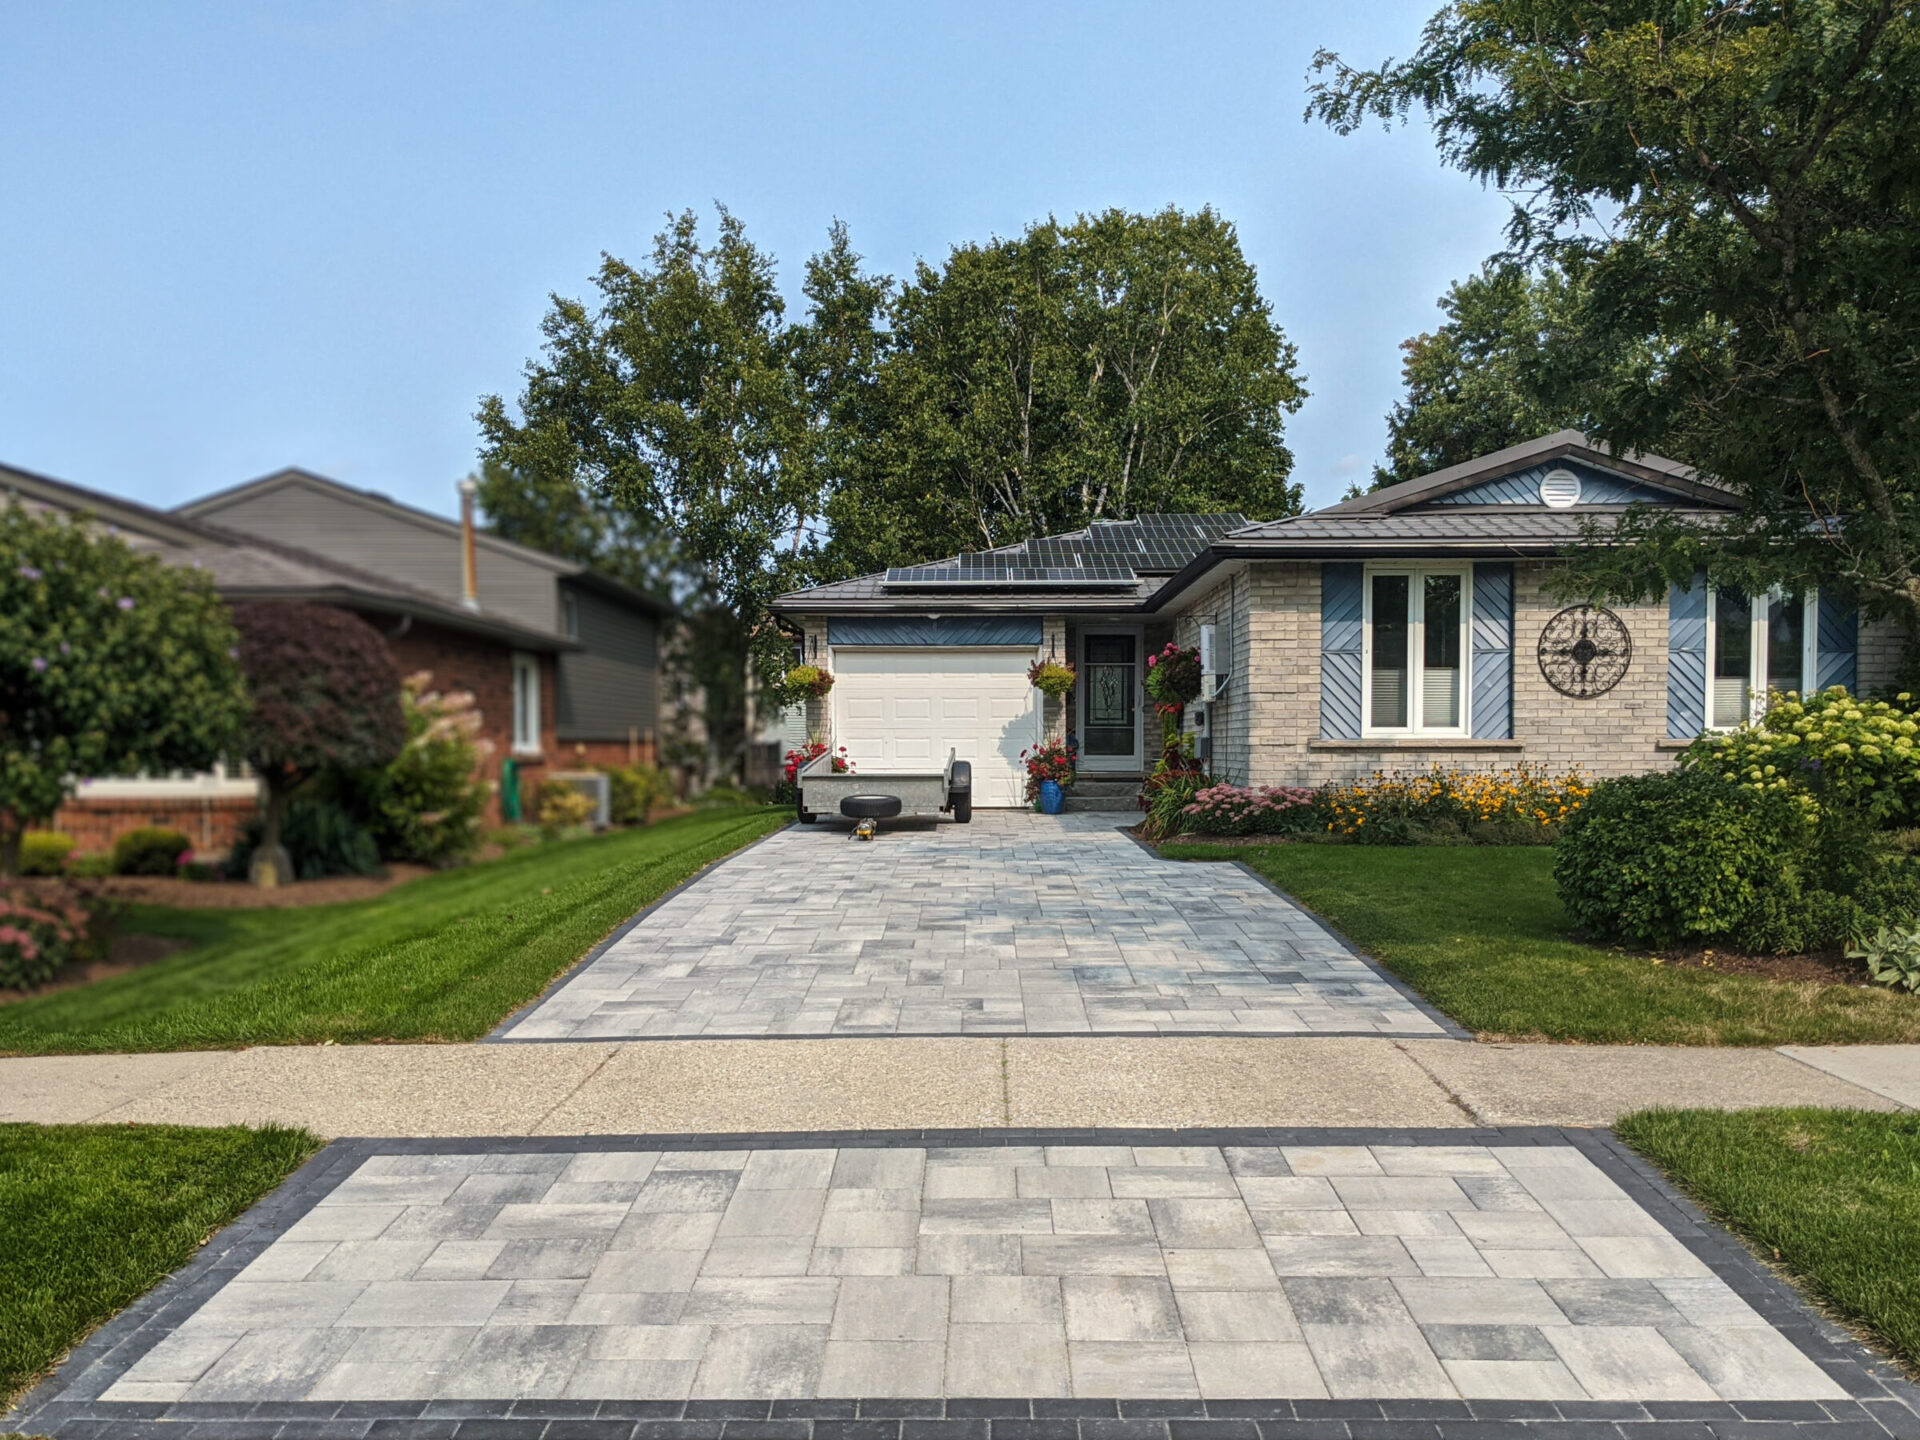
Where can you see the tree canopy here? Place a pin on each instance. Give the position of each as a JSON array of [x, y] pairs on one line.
[[111, 663], [684, 425], [1735, 184], [1483, 380]]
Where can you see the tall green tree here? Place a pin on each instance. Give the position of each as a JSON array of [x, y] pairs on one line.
[[1737, 180], [1484, 379], [111, 663], [673, 401], [1095, 370]]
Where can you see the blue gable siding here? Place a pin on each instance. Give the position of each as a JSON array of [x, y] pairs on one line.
[[1597, 487]]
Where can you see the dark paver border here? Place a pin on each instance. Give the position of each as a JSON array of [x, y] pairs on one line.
[[1449, 1028], [1885, 1406]]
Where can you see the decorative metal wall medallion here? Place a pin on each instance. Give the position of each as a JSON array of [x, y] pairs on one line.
[[1584, 651]]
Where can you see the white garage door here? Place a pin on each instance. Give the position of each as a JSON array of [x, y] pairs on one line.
[[905, 709]]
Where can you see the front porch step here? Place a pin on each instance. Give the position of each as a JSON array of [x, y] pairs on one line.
[[1091, 785], [1078, 804]]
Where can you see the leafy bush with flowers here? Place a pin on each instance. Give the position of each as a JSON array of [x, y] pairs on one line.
[[810, 752], [1053, 760], [1224, 809], [1525, 804], [1823, 750], [40, 931], [425, 803], [1052, 677]]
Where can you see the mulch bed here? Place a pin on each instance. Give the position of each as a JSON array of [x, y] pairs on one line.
[[236, 894], [1832, 968]]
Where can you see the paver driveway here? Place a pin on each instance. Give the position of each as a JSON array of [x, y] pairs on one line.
[[664, 1289], [1014, 924]]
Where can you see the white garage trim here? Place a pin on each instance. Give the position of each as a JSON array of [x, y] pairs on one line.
[[904, 708]]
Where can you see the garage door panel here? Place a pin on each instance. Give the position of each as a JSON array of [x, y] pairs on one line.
[[910, 707]]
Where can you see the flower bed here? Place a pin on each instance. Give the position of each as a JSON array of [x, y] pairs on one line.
[[40, 931], [1526, 804], [1235, 810]]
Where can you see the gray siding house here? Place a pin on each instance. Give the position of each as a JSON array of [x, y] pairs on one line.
[[1405, 628], [604, 694]]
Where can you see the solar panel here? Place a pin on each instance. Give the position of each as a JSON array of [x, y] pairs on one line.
[[1106, 553]]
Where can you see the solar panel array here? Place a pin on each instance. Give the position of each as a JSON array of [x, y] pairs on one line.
[[1109, 553]]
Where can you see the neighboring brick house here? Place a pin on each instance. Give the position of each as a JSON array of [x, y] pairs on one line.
[[1407, 627], [564, 685]]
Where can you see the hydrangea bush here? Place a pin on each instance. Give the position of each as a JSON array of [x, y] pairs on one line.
[[1828, 748]]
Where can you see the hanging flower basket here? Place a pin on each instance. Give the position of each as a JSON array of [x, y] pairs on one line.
[[1051, 677], [810, 681], [1173, 676]]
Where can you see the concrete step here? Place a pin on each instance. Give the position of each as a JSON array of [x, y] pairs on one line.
[[1078, 804]]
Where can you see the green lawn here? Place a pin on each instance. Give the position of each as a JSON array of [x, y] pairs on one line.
[[1479, 931], [1833, 1196], [96, 1215], [444, 958]]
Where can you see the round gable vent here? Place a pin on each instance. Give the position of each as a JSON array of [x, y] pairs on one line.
[[1560, 490]]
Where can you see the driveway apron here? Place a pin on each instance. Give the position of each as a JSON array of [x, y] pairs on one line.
[[1016, 924]]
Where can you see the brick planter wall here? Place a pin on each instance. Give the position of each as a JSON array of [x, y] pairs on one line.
[[211, 823]]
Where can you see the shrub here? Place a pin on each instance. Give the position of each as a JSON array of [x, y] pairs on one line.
[[150, 850], [1828, 748], [426, 803], [44, 852], [1165, 795], [90, 867], [1050, 760], [320, 837], [636, 791], [1518, 805], [39, 933], [1237, 810], [1678, 857], [1892, 953], [559, 807]]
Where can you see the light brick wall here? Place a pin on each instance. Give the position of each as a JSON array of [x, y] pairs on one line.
[[1882, 643], [1272, 707]]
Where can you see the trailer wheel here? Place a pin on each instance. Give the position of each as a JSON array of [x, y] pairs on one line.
[[960, 792], [806, 816]]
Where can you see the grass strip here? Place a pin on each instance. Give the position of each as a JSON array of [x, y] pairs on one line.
[[1479, 931], [94, 1216], [1832, 1196], [444, 958]]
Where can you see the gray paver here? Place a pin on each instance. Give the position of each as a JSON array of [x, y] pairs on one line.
[[984, 1271], [1016, 924]]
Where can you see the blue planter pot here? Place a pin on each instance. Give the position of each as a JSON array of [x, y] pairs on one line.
[[1052, 798]]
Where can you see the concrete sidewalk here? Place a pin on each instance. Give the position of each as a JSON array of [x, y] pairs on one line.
[[830, 1084]]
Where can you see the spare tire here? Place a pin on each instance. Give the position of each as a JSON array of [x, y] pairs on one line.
[[870, 807]]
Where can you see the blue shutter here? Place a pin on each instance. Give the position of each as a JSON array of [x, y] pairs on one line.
[[1836, 643], [1687, 658], [1342, 590], [1492, 652]]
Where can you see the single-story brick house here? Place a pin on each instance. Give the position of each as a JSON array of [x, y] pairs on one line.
[[562, 663], [1407, 627]]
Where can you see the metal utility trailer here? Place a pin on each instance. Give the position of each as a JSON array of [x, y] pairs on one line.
[[868, 797]]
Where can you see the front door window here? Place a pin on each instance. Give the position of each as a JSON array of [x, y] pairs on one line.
[[1111, 686]]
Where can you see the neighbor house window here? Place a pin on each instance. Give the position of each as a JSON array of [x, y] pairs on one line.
[[1416, 648], [526, 704], [570, 614], [1755, 644]]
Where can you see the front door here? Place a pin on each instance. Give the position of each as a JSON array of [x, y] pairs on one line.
[[1110, 702]]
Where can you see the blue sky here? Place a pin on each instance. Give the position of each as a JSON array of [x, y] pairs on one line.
[[241, 236]]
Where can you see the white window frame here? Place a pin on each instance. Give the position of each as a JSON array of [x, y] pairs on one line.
[[224, 781], [526, 703], [1416, 652], [1757, 651]]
